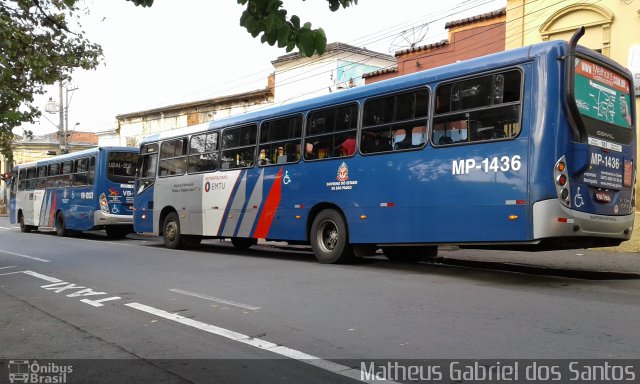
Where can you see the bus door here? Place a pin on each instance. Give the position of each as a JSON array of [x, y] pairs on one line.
[[143, 217]]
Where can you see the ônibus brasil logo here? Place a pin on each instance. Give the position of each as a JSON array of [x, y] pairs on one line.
[[24, 371]]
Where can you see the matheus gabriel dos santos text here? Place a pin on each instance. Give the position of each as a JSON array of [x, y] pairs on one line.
[[503, 371]]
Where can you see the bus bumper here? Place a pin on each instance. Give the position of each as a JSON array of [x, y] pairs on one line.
[[552, 219], [100, 218]]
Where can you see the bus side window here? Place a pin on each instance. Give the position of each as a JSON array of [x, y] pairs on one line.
[[54, 171], [280, 141], [67, 171], [80, 177], [480, 109], [331, 132], [91, 171], [395, 122], [239, 147], [203, 152], [31, 178], [173, 157], [42, 177], [22, 179]]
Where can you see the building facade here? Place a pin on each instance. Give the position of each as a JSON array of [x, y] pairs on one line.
[[131, 127], [468, 38], [340, 67]]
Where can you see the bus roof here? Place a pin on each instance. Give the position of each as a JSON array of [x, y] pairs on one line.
[[76, 155], [467, 67]]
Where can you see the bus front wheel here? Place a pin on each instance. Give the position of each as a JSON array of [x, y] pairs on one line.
[[60, 229], [329, 238], [171, 232], [23, 227]]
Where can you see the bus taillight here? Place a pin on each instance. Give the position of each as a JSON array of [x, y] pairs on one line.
[[562, 182], [104, 205]]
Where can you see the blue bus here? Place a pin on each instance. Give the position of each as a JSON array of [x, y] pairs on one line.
[[81, 191], [530, 146]]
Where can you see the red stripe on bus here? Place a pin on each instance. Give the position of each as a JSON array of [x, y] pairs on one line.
[[53, 209], [270, 207]]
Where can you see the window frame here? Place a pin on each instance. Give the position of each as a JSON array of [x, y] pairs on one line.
[[280, 142], [306, 138], [215, 151], [403, 124], [236, 148], [183, 157], [503, 105]]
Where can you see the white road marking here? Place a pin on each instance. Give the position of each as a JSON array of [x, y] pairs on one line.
[[11, 266], [211, 298], [339, 369], [25, 256], [10, 273], [43, 277]]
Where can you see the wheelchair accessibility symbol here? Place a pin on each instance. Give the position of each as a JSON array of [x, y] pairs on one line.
[[578, 201], [286, 179], [115, 209]]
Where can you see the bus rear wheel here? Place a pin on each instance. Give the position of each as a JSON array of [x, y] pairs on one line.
[[329, 238], [60, 229], [171, 232], [411, 254], [23, 227]]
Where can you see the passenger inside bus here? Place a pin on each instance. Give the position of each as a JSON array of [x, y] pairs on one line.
[[309, 153], [348, 146]]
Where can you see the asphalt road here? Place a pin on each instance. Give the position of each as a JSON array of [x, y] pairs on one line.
[[270, 315]]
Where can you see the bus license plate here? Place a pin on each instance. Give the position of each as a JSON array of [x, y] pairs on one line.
[[603, 196]]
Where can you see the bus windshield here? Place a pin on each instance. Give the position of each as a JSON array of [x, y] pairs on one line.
[[121, 167], [604, 101]]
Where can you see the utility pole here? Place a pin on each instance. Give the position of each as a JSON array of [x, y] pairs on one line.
[[61, 128], [62, 108]]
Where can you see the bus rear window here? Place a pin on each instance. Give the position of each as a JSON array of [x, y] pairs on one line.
[[121, 167], [603, 98]]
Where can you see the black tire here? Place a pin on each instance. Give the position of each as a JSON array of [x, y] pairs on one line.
[[171, 232], [61, 231], [411, 254], [23, 227], [243, 242], [329, 238], [117, 232]]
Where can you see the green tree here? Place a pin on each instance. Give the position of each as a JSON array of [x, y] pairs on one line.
[[41, 42]]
